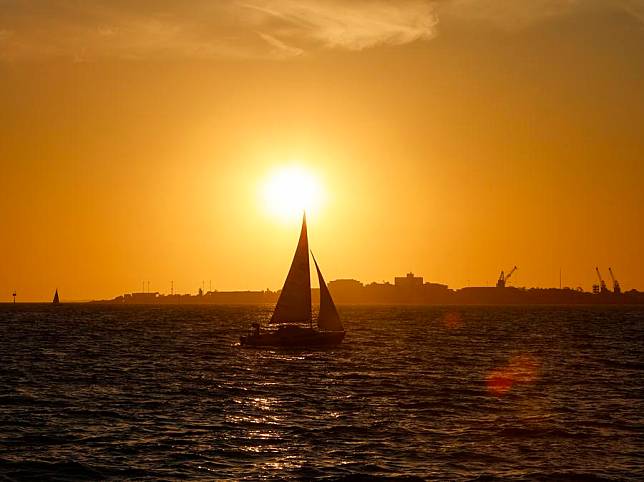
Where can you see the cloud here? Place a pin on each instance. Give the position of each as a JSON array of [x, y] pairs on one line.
[[206, 28], [635, 8], [278, 29], [353, 25], [507, 14], [512, 15], [95, 29], [281, 49]]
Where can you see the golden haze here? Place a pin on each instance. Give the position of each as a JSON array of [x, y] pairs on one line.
[[455, 155]]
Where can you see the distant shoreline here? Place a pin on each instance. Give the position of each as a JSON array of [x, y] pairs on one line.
[[360, 304], [405, 291]]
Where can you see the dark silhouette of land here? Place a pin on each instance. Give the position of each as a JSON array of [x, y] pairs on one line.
[[409, 289]]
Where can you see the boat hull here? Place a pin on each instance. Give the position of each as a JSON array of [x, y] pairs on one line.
[[294, 336]]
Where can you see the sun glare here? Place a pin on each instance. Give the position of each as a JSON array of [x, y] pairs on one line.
[[290, 190]]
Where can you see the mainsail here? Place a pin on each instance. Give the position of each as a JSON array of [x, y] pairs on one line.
[[294, 303], [328, 319], [56, 300]]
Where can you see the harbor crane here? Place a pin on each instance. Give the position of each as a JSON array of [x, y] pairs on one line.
[[601, 287], [503, 278], [617, 289]]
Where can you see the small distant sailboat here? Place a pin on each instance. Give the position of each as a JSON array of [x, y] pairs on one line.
[[293, 309], [55, 301]]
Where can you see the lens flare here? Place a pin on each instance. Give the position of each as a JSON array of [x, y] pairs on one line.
[[452, 320], [520, 369]]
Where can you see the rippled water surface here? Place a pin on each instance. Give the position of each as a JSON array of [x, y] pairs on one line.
[[92, 392]]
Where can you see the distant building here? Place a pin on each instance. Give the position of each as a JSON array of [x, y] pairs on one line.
[[346, 290], [432, 293], [140, 298], [380, 293], [345, 284], [409, 282], [407, 290]]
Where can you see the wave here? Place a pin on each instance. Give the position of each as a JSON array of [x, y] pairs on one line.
[[60, 471], [162, 393]]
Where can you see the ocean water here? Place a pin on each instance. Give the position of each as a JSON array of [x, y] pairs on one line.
[[474, 393]]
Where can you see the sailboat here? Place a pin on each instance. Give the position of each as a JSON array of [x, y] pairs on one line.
[[293, 311], [56, 300]]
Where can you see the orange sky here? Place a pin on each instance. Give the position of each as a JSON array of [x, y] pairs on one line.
[[452, 138]]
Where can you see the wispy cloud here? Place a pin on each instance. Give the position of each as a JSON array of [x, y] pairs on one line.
[[206, 28], [634, 8], [507, 14], [280, 29], [280, 48], [514, 15], [103, 29], [353, 25]]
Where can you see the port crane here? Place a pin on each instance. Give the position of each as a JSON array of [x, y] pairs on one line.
[[601, 287], [503, 278], [617, 289]]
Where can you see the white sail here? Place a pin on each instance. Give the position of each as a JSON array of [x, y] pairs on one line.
[[328, 319], [294, 303]]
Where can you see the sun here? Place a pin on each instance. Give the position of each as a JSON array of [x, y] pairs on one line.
[[289, 190]]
